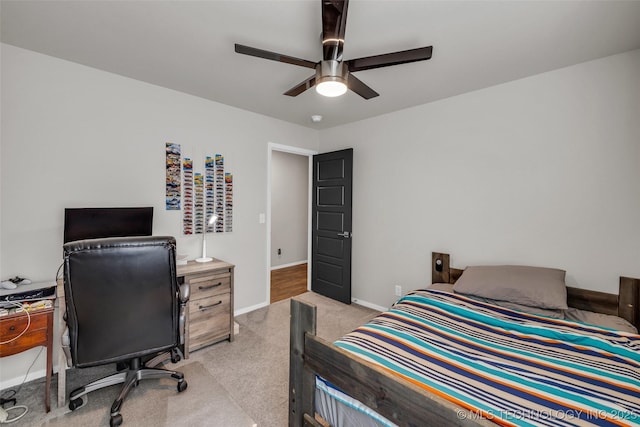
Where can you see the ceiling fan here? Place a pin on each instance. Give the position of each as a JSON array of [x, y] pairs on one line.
[[333, 74]]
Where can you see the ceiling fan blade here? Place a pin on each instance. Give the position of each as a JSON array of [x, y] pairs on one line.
[[299, 88], [388, 59], [252, 51], [334, 25], [360, 88]]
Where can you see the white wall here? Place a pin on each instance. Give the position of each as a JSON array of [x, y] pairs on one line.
[[74, 136], [289, 207], [540, 171]]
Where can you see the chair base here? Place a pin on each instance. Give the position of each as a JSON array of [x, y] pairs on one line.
[[129, 378]]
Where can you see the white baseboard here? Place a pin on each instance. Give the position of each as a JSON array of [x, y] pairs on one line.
[[16, 381], [291, 264], [248, 309], [369, 305]]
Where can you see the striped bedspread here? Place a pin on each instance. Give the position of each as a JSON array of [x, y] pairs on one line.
[[511, 367]]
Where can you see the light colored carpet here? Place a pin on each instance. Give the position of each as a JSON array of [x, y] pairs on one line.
[[254, 369], [157, 403], [249, 375]]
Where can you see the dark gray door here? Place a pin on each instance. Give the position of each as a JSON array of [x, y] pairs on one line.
[[331, 211]]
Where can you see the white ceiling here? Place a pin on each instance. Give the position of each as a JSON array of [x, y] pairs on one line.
[[188, 45]]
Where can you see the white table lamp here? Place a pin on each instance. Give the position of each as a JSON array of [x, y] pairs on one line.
[[204, 257]]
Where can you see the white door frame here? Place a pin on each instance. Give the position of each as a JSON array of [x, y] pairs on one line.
[[271, 147]]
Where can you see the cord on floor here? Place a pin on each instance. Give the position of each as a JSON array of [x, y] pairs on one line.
[[8, 396], [4, 414]]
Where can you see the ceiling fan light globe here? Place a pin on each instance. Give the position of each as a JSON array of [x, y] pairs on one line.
[[331, 88]]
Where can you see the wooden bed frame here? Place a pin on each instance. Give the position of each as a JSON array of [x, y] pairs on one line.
[[401, 402]]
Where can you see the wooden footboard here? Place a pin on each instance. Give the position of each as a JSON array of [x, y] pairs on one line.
[[301, 378], [398, 400]]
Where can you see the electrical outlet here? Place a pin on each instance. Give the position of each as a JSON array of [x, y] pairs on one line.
[[398, 290]]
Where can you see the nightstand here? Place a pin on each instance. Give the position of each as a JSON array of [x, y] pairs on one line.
[[39, 333], [210, 314]]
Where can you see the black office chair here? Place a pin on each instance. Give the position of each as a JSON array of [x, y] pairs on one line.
[[124, 306]]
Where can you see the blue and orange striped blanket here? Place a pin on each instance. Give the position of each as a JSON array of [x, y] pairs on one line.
[[508, 366]]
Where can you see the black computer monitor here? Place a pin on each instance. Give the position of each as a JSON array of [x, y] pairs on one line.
[[96, 223]]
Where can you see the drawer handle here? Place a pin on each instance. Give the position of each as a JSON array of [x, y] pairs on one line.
[[12, 328], [204, 288], [207, 307]]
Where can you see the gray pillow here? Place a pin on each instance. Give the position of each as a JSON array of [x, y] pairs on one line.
[[531, 286], [558, 314]]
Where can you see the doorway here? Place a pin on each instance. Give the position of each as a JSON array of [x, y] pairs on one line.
[[289, 218], [288, 282]]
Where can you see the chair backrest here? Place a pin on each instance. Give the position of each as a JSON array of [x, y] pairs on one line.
[[122, 298]]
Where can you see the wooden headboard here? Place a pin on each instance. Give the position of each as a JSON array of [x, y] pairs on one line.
[[625, 304]]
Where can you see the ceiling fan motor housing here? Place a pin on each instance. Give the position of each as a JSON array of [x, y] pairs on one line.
[[331, 70]]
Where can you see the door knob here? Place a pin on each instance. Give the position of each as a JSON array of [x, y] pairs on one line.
[[346, 234]]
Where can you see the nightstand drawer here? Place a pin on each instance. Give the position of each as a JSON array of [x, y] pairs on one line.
[[14, 325], [209, 285], [209, 320], [29, 339]]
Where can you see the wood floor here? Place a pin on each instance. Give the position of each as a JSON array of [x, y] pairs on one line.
[[288, 282]]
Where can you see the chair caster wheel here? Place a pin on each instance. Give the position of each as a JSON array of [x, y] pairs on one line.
[[175, 356], [75, 404], [182, 386], [115, 420]]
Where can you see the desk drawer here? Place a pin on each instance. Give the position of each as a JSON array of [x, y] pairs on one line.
[[209, 320], [209, 285], [29, 340], [12, 326]]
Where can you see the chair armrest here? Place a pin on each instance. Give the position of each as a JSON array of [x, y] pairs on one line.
[[183, 295], [184, 292], [66, 345]]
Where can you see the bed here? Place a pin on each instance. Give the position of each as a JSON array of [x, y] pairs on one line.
[[406, 402]]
